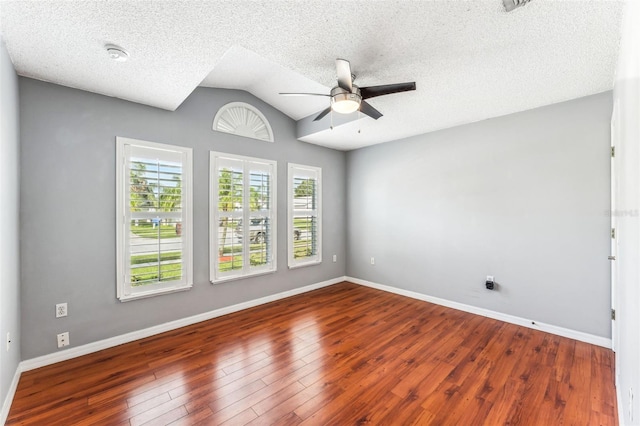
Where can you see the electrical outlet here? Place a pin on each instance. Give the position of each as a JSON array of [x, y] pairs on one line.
[[489, 284], [373, 261], [8, 341], [335, 258], [61, 310], [63, 339]]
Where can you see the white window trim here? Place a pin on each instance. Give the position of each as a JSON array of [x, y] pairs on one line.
[[124, 291], [214, 217], [310, 171]]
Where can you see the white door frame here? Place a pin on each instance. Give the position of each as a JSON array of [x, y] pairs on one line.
[[615, 123]]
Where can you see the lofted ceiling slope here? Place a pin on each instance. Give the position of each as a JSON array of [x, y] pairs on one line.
[[470, 59]]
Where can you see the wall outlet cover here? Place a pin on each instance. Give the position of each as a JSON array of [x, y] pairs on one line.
[[61, 310], [63, 339]]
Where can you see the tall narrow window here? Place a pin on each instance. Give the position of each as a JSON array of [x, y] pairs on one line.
[[154, 217], [304, 219], [243, 216]]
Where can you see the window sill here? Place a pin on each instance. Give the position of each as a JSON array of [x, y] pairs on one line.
[[302, 265], [152, 293], [241, 277]]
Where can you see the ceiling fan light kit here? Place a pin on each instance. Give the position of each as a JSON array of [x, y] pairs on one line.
[[345, 102]]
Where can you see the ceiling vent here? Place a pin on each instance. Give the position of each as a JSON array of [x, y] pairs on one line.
[[509, 5]]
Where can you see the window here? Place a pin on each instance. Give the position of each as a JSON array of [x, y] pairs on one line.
[[304, 221], [239, 118], [243, 216], [154, 217]]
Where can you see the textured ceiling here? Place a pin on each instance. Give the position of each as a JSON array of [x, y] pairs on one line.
[[470, 59]]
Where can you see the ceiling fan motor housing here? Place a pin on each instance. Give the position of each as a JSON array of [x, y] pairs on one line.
[[344, 101]]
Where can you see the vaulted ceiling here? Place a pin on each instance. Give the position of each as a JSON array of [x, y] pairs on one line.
[[471, 60]]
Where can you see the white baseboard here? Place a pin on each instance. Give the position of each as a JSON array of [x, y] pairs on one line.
[[548, 328], [10, 394], [44, 360]]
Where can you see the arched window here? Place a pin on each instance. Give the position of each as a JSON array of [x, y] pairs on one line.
[[242, 119]]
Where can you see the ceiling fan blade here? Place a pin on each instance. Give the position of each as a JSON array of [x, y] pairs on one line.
[[343, 70], [322, 114], [386, 89], [302, 94], [367, 109]]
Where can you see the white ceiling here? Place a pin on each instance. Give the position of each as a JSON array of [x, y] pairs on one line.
[[469, 59]]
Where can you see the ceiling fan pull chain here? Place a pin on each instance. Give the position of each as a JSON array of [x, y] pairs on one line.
[[331, 115]]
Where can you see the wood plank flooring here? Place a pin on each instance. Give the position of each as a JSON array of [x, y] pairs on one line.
[[341, 355]]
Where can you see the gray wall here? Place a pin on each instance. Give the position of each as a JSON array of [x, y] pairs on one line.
[[521, 197], [68, 209], [9, 223]]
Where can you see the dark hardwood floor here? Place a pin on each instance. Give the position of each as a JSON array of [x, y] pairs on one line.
[[341, 355]]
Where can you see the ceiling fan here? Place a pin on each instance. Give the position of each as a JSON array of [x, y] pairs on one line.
[[346, 97]]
